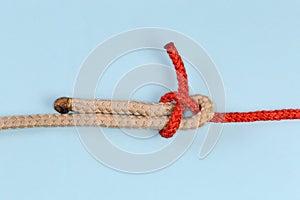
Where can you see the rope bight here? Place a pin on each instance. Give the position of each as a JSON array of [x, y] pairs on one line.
[[166, 116]]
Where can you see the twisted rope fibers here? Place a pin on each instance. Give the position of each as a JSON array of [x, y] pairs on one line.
[[167, 116]]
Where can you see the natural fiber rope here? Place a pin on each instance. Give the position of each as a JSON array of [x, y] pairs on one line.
[[121, 114], [165, 116]]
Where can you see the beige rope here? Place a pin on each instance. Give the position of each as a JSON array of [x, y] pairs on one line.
[[106, 113]]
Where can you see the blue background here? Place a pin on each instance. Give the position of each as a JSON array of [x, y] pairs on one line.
[[254, 44]]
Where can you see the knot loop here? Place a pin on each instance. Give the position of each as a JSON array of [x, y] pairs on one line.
[[182, 98]]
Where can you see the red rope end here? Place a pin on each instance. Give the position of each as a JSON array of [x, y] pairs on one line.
[[184, 101], [182, 98]]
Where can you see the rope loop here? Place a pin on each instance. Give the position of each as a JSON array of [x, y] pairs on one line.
[[182, 98], [166, 116]]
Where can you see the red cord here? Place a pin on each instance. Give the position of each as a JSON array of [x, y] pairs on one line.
[[271, 115], [184, 101], [182, 98]]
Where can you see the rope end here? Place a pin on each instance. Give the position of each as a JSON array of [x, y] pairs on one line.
[[63, 105]]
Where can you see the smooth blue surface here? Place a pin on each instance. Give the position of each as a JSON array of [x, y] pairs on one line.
[[255, 46]]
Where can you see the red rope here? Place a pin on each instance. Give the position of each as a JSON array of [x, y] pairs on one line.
[[182, 98], [264, 115], [184, 101]]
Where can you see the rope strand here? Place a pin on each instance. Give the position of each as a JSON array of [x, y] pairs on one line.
[[264, 115], [167, 116], [115, 114], [182, 98]]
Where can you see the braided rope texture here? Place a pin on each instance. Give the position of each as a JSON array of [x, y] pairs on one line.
[[118, 114], [167, 116], [264, 115], [182, 98]]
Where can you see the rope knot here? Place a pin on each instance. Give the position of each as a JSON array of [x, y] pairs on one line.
[[182, 98]]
